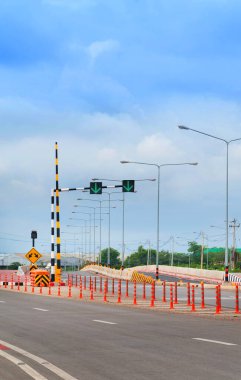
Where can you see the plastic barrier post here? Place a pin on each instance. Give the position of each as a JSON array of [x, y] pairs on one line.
[[134, 294], [193, 298], [84, 282], [105, 292], [5, 281], [107, 285], [219, 297], [49, 293], [95, 284], [90, 283], [18, 283], [202, 296], [152, 304], [76, 281], [59, 294], [25, 284], [175, 293], [91, 293], [127, 288], [119, 292], [11, 281], [188, 294], [100, 284], [144, 291], [70, 291], [80, 288], [217, 301], [113, 286], [237, 300], [171, 297], [164, 291]]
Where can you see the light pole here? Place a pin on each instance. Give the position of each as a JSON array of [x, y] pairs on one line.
[[158, 166], [93, 208], [123, 211], [101, 213], [227, 142]]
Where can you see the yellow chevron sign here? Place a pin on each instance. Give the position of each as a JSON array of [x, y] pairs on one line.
[[33, 255]]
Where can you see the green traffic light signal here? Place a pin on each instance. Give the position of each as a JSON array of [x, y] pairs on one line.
[[95, 187], [128, 186]]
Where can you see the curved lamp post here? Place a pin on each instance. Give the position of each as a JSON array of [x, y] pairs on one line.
[[227, 142], [158, 166]]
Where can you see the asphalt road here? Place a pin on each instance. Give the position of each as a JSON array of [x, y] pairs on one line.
[[73, 336]]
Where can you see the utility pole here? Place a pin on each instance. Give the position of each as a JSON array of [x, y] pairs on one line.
[[234, 224]]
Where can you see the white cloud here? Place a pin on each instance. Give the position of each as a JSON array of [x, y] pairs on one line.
[[72, 4], [97, 48]]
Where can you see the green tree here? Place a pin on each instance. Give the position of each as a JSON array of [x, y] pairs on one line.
[[195, 250], [114, 257], [14, 265]]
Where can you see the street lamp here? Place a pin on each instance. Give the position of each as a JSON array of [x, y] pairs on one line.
[[227, 142], [158, 166], [100, 207], [123, 211]]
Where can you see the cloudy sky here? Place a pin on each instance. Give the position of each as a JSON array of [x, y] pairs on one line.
[[110, 81]]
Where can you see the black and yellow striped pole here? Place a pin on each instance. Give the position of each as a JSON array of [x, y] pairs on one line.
[[52, 239], [58, 259]]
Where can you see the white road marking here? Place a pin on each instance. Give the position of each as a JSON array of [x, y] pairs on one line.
[[23, 366], [36, 308], [215, 341], [108, 323], [51, 367], [2, 301]]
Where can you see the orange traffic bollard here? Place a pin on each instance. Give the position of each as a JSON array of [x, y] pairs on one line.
[[100, 284], [49, 293], [202, 296], [95, 284], [113, 286], [25, 284], [84, 282], [152, 304], [18, 283], [134, 294], [175, 293], [127, 288], [164, 291], [12, 281], [217, 301], [119, 292], [105, 291], [237, 300], [59, 294], [70, 291], [80, 288], [144, 291], [171, 297], [188, 295], [193, 298]]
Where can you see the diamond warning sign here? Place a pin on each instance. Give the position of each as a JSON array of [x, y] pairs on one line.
[[33, 255]]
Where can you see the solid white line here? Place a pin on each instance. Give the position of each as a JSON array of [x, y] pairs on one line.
[[23, 366], [108, 323], [215, 341], [36, 308], [64, 375], [2, 301]]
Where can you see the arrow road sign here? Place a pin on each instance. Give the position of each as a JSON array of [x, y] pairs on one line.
[[95, 187], [33, 255], [128, 186]]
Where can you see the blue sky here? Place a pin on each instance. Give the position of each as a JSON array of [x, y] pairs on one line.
[[111, 80]]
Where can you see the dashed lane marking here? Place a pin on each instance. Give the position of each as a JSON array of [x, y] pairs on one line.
[[3, 301], [51, 367], [36, 308], [108, 323], [215, 341]]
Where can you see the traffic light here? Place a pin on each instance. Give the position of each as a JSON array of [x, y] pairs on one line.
[[128, 186], [95, 187]]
